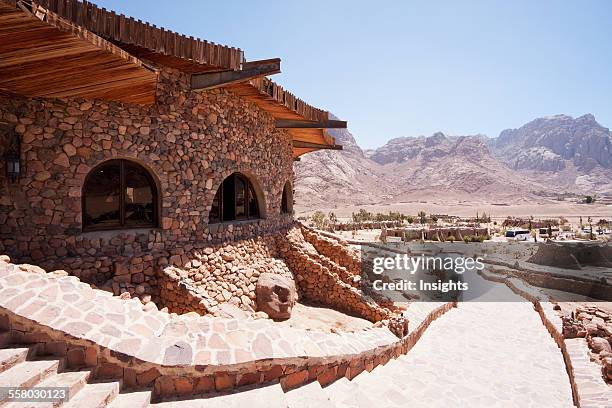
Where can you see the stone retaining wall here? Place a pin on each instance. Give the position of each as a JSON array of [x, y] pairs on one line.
[[204, 279], [320, 283], [557, 279], [336, 250]]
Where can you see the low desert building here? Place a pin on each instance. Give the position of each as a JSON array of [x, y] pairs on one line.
[[121, 141]]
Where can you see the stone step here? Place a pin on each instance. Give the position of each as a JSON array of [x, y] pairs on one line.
[[11, 356], [29, 373], [137, 399], [344, 393], [307, 396], [95, 395], [385, 387], [267, 396], [73, 380]]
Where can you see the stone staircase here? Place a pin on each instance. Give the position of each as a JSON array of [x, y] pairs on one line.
[[25, 366]]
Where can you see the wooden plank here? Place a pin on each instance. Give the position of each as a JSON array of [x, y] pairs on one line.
[[300, 124], [109, 25], [56, 58], [249, 71], [309, 145]]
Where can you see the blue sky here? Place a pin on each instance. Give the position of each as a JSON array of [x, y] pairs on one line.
[[408, 68]]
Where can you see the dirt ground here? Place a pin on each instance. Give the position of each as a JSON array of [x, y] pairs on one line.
[[319, 318], [498, 211]]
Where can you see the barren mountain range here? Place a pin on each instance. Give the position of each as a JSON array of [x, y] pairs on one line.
[[548, 157]]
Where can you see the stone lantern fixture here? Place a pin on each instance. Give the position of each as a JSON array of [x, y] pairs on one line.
[[12, 158]]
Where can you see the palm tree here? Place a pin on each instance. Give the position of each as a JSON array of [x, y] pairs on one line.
[[422, 216]]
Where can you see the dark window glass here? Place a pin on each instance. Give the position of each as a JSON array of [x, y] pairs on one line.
[[102, 197], [285, 201], [138, 196], [235, 200], [215, 211], [119, 194], [229, 198], [240, 198], [253, 207]]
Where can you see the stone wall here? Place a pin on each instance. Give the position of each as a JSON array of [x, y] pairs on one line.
[[189, 141], [206, 279], [438, 233], [220, 274], [319, 280], [336, 250]]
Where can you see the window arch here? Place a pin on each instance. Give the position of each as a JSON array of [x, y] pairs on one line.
[[235, 199], [287, 199], [119, 194]]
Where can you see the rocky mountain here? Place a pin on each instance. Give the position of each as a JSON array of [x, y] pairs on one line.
[[552, 143], [328, 177], [547, 156]]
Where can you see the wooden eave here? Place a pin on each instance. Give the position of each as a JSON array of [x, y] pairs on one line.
[[71, 48], [44, 55], [283, 105], [146, 40]]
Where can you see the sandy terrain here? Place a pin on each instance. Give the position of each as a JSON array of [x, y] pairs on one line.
[[539, 209], [320, 318]]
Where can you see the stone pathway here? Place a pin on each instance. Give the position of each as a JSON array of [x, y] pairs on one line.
[[484, 354]]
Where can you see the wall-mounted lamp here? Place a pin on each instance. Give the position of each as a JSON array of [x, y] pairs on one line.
[[12, 158]]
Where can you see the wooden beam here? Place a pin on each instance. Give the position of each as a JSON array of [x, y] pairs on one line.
[[250, 70], [300, 143], [300, 124]]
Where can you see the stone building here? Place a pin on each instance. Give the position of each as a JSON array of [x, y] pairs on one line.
[[122, 143]]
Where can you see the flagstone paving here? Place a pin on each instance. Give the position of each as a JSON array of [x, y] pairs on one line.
[[493, 354]]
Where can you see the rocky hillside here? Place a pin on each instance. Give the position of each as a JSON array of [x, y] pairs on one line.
[[554, 142], [547, 156], [329, 177]]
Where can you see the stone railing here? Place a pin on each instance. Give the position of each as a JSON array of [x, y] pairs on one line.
[[181, 355]]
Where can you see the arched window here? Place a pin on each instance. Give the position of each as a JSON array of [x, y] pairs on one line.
[[287, 199], [119, 194], [235, 200]]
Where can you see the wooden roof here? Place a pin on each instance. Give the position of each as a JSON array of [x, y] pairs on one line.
[[282, 104], [146, 40], [71, 48], [55, 58]]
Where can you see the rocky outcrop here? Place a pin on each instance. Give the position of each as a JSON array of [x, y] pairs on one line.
[[276, 295], [549, 143], [324, 174]]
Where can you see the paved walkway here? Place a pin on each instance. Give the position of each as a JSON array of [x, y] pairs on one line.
[[482, 354], [488, 354]]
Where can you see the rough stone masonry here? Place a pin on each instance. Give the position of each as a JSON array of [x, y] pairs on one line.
[[189, 141]]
